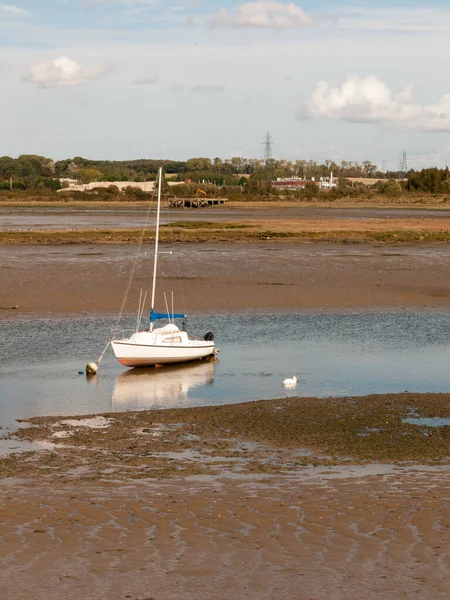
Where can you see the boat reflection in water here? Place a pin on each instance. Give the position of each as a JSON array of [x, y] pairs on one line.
[[161, 387]]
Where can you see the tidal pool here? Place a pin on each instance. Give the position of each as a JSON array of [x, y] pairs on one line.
[[427, 421], [332, 354]]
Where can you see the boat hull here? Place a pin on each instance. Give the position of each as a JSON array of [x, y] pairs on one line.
[[141, 355]]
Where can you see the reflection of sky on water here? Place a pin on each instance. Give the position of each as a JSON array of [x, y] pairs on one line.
[[428, 422], [331, 354]]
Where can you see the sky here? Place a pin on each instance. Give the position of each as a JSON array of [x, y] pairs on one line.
[[127, 79]]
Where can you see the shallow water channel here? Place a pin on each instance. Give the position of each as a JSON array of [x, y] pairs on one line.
[[331, 354], [125, 216]]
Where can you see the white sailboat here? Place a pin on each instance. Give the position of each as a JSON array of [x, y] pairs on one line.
[[161, 345]]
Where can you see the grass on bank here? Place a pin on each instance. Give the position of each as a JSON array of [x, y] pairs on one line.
[[205, 232]]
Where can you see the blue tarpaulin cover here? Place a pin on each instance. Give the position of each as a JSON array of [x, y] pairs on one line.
[[154, 316]]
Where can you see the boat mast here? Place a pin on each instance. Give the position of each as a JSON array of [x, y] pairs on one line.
[[155, 261]]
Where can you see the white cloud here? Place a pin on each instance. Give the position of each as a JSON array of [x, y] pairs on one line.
[[63, 72], [13, 10], [268, 14], [270, 55], [369, 100]]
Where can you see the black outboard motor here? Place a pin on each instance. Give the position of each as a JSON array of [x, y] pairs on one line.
[[209, 337]]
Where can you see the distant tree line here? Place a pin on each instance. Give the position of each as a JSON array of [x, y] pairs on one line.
[[232, 176], [436, 181]]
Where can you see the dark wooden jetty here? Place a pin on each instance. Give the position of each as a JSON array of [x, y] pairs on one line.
[[194, 202]]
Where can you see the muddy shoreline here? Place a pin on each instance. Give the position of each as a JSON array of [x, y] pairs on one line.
[[206, 278], [200, 503], [298, 498], [281, 435]]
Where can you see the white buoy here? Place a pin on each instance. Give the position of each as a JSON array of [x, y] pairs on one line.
[[91, 368], [290, 382]]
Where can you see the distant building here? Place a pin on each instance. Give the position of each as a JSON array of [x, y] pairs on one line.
[[145, 186], [67, 181], [326, 183], [295, 183], [288, 183]]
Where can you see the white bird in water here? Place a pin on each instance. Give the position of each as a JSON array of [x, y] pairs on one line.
[[290, 382]]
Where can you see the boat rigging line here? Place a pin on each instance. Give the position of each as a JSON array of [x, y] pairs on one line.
[[92, 367], [147, 218]]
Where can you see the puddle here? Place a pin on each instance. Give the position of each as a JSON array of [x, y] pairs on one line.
[[61, 434], [241, 446], [93, 423], [368, 430], [159, 429], [195, 456], [8, 447], [316, 474], [428, 422]]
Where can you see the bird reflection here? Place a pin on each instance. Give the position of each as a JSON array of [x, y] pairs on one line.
[[160, 387]]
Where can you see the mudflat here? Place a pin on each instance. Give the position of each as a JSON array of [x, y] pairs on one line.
[[336, 500], [92, 279], [337, 534], [227, 502]]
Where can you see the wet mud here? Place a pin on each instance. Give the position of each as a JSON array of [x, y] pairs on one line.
[[210, 502], [92, 280]]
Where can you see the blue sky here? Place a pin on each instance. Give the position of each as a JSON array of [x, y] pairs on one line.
[[124, 79]]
